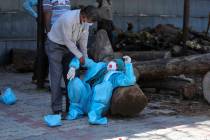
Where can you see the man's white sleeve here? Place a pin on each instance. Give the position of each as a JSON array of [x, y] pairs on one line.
[[67, 35], [83, 42]]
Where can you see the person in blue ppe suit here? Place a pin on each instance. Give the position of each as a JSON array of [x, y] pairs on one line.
[[93, 93]]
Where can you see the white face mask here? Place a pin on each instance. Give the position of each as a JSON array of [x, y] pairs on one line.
[[112, 66]]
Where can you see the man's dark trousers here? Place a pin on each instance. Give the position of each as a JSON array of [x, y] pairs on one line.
[[56, 53]]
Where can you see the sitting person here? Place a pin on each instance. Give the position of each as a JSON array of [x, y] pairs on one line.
[[93, 93]]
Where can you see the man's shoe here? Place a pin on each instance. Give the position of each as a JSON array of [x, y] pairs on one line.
[[63, 114]]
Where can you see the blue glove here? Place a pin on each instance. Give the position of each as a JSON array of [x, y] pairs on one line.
[[74, 63]]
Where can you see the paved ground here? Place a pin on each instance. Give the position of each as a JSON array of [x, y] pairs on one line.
[[24, 120]]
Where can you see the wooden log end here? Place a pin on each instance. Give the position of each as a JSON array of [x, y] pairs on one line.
[[128, 101], [206, 87], [189, 91]]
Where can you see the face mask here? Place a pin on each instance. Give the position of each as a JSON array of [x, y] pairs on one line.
[[112, 66]]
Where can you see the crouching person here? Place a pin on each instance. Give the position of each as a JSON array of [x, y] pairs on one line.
[[93, 93], [69, 35]]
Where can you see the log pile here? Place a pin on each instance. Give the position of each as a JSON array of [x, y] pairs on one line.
[[163, 37], [190, 57], [159, 54]]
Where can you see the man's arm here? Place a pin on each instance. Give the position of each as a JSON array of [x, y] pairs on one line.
[[126, 79], [83, 41], [67, 34], [47, 9], [28, 7]]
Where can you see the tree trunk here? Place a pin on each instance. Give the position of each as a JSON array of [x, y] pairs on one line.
[[207, 31], [128, 101], [41, 65], [162, 68], [147, 55], [184, 86], [186, 19]]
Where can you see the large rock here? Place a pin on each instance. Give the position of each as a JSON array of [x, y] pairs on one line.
[[101, 49], [128, 101]]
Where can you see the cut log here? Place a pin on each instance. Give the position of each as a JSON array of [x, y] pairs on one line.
[[206, 87], [147, 55], [159, 69], [166, 29], [184, 86], [128, 101], [200, 35], [23, 59]]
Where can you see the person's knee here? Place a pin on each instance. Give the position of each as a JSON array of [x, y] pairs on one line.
[[75, 89], [75, 83]]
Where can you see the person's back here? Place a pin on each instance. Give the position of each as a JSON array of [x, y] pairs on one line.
[[57, 7], [56, 33]]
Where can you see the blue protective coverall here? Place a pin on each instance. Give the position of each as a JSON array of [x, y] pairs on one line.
[[28, 6], [93, 98]]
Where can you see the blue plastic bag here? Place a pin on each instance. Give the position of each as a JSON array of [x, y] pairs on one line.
[[53, 120], [8, 97]]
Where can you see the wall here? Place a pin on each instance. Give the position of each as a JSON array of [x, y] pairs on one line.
[[144, 13], [17, 29]]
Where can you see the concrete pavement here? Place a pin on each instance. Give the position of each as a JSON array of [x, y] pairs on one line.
[[23, 121]]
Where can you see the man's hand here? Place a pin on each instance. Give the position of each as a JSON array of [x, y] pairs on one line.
[[47, 20], [71, 73], [82, 60], [127, 59]]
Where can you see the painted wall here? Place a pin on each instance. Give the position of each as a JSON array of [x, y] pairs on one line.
[[17, 29]]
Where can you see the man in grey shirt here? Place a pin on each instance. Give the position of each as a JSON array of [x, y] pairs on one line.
[[70, 29]]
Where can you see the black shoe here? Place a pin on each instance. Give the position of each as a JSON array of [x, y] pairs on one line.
[[63, 114], [57, 112]]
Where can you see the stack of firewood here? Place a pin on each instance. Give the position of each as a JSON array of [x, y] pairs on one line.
[[163, 38], [161, 57]]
